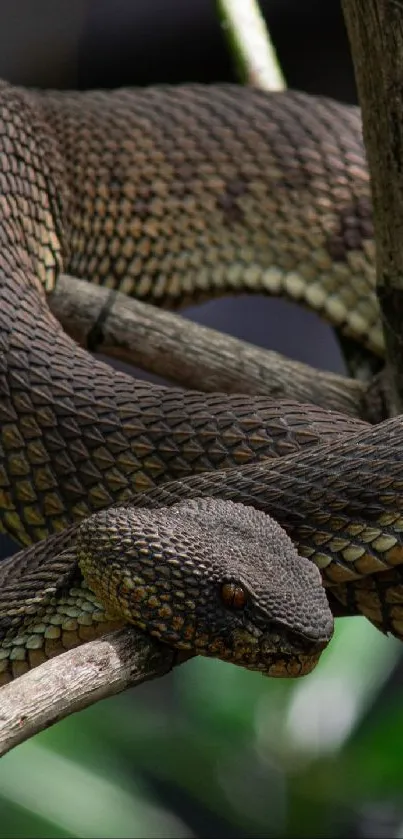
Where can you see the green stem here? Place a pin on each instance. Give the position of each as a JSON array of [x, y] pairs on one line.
[[250, 44]]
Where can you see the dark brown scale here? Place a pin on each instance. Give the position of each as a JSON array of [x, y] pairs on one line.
[[167, 571], [100, 435], [172, 195], [175, 192]]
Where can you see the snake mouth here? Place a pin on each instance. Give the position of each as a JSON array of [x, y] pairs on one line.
[[275, 664], [276, 653], [289, 665], [290, 654]]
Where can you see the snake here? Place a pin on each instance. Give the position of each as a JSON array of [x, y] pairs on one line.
[[179, 511]]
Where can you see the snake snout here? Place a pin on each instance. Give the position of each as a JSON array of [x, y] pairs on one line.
[[286, 653], [305, 645]]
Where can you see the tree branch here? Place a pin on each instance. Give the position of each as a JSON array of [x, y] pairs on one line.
[[375, 29], [195, 356], [78, 678]]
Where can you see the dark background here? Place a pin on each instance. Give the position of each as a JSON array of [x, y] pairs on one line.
[[93, 43]]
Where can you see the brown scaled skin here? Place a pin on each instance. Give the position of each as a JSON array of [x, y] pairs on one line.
[[174, 195], [136, 189], [164, 571]]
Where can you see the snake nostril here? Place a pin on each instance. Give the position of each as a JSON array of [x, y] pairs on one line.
[[308, 646]]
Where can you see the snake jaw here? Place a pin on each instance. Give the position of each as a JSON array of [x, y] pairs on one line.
[[298, 655], [275, 652]]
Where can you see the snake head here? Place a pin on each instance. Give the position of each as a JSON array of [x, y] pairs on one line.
[[215, 577]]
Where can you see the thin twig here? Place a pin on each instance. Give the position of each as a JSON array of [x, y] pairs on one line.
[[250, 44]]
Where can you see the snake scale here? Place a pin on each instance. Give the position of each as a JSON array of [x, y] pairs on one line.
[[174, 195]]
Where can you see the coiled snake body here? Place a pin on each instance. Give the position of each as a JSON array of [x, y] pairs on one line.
[[173, 195]]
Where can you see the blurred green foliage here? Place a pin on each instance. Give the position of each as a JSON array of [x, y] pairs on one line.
[[214, 750]]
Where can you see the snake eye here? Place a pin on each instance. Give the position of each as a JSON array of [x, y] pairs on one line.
[[233, 595]]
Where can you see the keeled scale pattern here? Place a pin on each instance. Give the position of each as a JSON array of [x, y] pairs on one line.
[[75, 435], [186, 192]]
